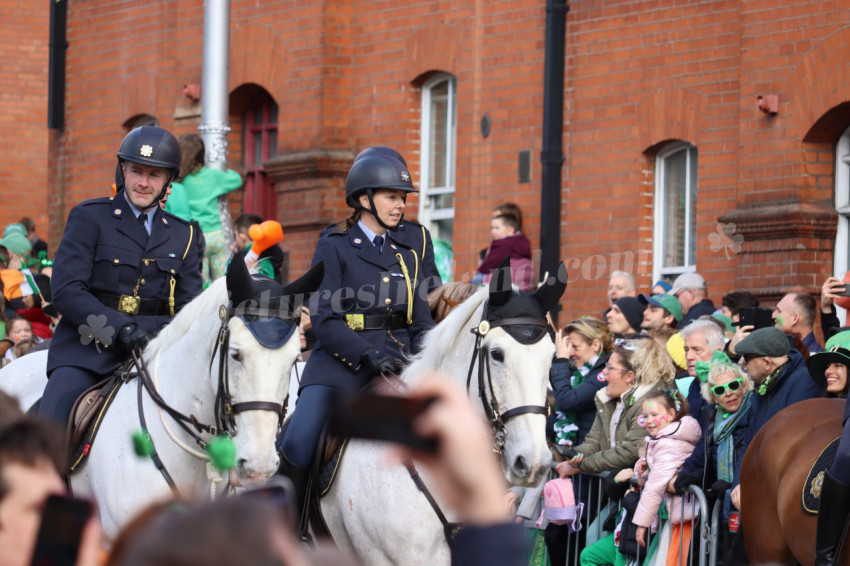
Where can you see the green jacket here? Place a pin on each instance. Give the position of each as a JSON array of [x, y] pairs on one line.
[[598, 454], [203, 189]]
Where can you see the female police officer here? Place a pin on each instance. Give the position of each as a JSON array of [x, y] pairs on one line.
[[834, 513], [368, 313], [123, 268]]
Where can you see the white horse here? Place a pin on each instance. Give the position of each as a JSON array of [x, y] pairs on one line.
[[183, 363], [377, 510]]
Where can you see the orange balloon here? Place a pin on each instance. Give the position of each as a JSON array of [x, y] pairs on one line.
[[265, 235]]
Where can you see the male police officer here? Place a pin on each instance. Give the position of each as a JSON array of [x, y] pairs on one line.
[[123, 268]]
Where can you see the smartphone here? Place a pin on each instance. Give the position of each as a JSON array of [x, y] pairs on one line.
[[846, 292], [380, 417], [758, 317], [62, 522], [280, 492]]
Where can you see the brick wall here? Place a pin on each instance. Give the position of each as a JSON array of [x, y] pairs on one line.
[[639, 74], [24, 30]]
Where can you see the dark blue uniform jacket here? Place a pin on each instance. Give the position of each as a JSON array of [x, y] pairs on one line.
[[360, 280], [416, 237], [105, 249]]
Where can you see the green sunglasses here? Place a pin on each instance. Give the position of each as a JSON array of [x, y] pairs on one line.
[[733, 385]]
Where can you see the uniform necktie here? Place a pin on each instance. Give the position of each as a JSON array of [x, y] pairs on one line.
[[142, 218], [379, 243]]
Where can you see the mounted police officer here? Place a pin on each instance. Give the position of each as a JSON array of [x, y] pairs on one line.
[[369, 311], [408, 233], [124, 267]]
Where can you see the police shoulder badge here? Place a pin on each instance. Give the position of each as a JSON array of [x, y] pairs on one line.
[[146, 150]]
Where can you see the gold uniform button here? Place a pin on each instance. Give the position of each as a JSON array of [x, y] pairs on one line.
[[172, 271], [388, 301], [115, 260], [147, 262], [386, 279], [336, 355], [142, 282]]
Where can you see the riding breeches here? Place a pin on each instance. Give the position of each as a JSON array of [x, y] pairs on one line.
[[65, 385], [299, 444], [840, 469]]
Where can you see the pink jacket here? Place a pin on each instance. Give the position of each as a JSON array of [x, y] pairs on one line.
[[665, 455]]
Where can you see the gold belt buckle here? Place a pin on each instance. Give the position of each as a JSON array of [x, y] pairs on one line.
[[128, 304], [355, 321]]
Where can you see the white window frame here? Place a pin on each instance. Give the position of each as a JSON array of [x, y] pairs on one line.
[[427, 214], [842, 206], [658, 270]]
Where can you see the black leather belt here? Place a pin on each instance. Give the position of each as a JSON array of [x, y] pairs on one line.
[[376, 321], [133, 305]]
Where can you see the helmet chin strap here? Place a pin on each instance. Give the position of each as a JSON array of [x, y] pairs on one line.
[[164, 187], [374, 212]]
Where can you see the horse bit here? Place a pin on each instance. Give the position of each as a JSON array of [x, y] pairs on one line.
[[494, 414], [225, 409]]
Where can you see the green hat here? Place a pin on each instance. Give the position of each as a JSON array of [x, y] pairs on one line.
[[727, 322], [836, 351], [667, 302], [770, 342], [15, 239]]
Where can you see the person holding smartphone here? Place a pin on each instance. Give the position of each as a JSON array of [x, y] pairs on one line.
[[369, 313], [33, 520]]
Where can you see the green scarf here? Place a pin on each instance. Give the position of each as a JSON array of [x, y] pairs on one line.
[[566, 427], [724, 425]]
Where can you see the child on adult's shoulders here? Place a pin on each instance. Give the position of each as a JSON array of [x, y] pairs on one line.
[[507, 242]]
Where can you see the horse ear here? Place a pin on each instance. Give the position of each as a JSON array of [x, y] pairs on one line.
[[551, 290], [500, 284], [240, 284], [307, 283]]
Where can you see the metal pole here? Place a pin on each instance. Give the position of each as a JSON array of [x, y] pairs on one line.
[[214, 100], [552, 155]]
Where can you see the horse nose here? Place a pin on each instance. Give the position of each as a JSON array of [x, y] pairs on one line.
[[521, 467]]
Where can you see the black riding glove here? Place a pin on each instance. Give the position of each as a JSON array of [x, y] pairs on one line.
[[131, 337], [377, 363], [684, 480], [718, 489]]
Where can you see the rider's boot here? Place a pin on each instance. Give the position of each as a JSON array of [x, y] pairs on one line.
[[300, 478], [832, 520]]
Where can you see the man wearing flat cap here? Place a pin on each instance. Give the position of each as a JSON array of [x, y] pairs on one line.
[[781, 379]]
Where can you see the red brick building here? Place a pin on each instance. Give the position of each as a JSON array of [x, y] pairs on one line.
[[670, 165]]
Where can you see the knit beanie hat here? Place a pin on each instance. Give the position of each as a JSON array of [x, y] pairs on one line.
[[632, 309]]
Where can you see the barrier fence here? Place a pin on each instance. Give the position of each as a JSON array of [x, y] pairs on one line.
[[705, 525]]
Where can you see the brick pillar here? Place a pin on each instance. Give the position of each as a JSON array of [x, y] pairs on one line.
[[310, 189], [785, 246]]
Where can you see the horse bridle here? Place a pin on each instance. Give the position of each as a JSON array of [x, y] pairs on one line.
[[495, 415], [225, 409]]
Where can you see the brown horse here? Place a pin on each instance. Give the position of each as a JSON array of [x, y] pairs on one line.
[[777, 462]]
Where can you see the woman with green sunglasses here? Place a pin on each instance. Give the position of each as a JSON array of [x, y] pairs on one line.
[[724, 419]]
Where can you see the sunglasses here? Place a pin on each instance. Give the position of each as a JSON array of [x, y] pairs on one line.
[[733, 385]]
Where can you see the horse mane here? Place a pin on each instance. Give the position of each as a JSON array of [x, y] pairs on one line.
[[444, 337], [204, 306]]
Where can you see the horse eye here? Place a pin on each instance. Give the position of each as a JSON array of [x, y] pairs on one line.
[[497, 355], [236, 355]]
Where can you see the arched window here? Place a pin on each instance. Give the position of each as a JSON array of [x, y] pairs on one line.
[[674, 247], [260, 144], [437, 170], [139, 121]]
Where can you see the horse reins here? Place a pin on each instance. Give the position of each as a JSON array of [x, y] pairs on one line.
[[494, 414], [225, 409], [492, 410]]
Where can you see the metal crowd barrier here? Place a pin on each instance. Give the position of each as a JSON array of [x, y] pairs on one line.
[[702, 549]]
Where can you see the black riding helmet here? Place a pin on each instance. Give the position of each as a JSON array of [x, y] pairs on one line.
[[376, 171], [149, 145], [380, 150]]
